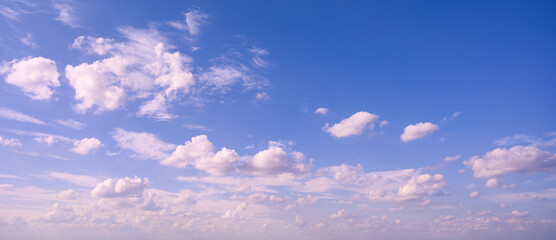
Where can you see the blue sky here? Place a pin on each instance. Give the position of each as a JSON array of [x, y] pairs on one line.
[[249, 119]]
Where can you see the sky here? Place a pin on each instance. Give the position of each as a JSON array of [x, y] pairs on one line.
[[277, 119]]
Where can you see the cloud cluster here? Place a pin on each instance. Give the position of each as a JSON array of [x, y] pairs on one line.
[[123, 187], [518, 159], [354, 125], [143, 145], [36, 76], [12, 142], [138, 68]]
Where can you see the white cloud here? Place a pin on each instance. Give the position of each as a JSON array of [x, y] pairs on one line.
[[419, 130], [223, 77], [68, 194], [12, 142], [321, 110], [257, 57], [137, 68], [420, 186], [144, 145], [48, 139], [194, 19], [474, 195], [495, 183], [66, 14], [518, 159], [452, 158], [383, 123], [36, 76], [20, 117], [451, 117], [274, 161], [80, 180], [123, 187], [340, 214], [353, 125], [85, 145], [199, 151], [70, 123]]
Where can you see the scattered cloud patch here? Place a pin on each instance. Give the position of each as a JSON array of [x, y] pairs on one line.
[[143, 145], [11, 142], [85, 145], [70, 123], [321, 111], [452, 158], [36, 76], [354, 125], [518, 159], [66, 14], [419, 130], [123, 187]]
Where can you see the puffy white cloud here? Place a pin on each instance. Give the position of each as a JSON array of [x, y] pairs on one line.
[[420, 186], [143, 145], [36, 76], [123, 187], [321, 110], [274, 161], [452, 158], [353, 125], [66, 14], [20, 117], [12, 142], [70, 123], [68, 194], [518, 159], [474, 194], [383, 123], [199, 151], [137, 68], [197, 148], [419, 130], [85, 145]]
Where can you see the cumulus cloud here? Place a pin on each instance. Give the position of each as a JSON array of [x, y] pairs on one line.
[[85, 145], [495, 183], [321, 110], [520, 214], [140, 67], [419, 130], [340, 214], [199, 151], [518, 159], [20, 117], [123, 187], [36, 76], [354, 125], [143, 145], [70, 123], [12, 142], [262, 96], [474, 194], [276, 160], [420, 186], [68, 194]]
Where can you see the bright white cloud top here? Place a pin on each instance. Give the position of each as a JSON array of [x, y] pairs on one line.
[[419, 130], [354, 125], [197, 119]]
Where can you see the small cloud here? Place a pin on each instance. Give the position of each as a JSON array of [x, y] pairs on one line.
[[321, 110], [419, 130], [85, 145], [28, 40], [354, 125], [383, 123], [474, 195]]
